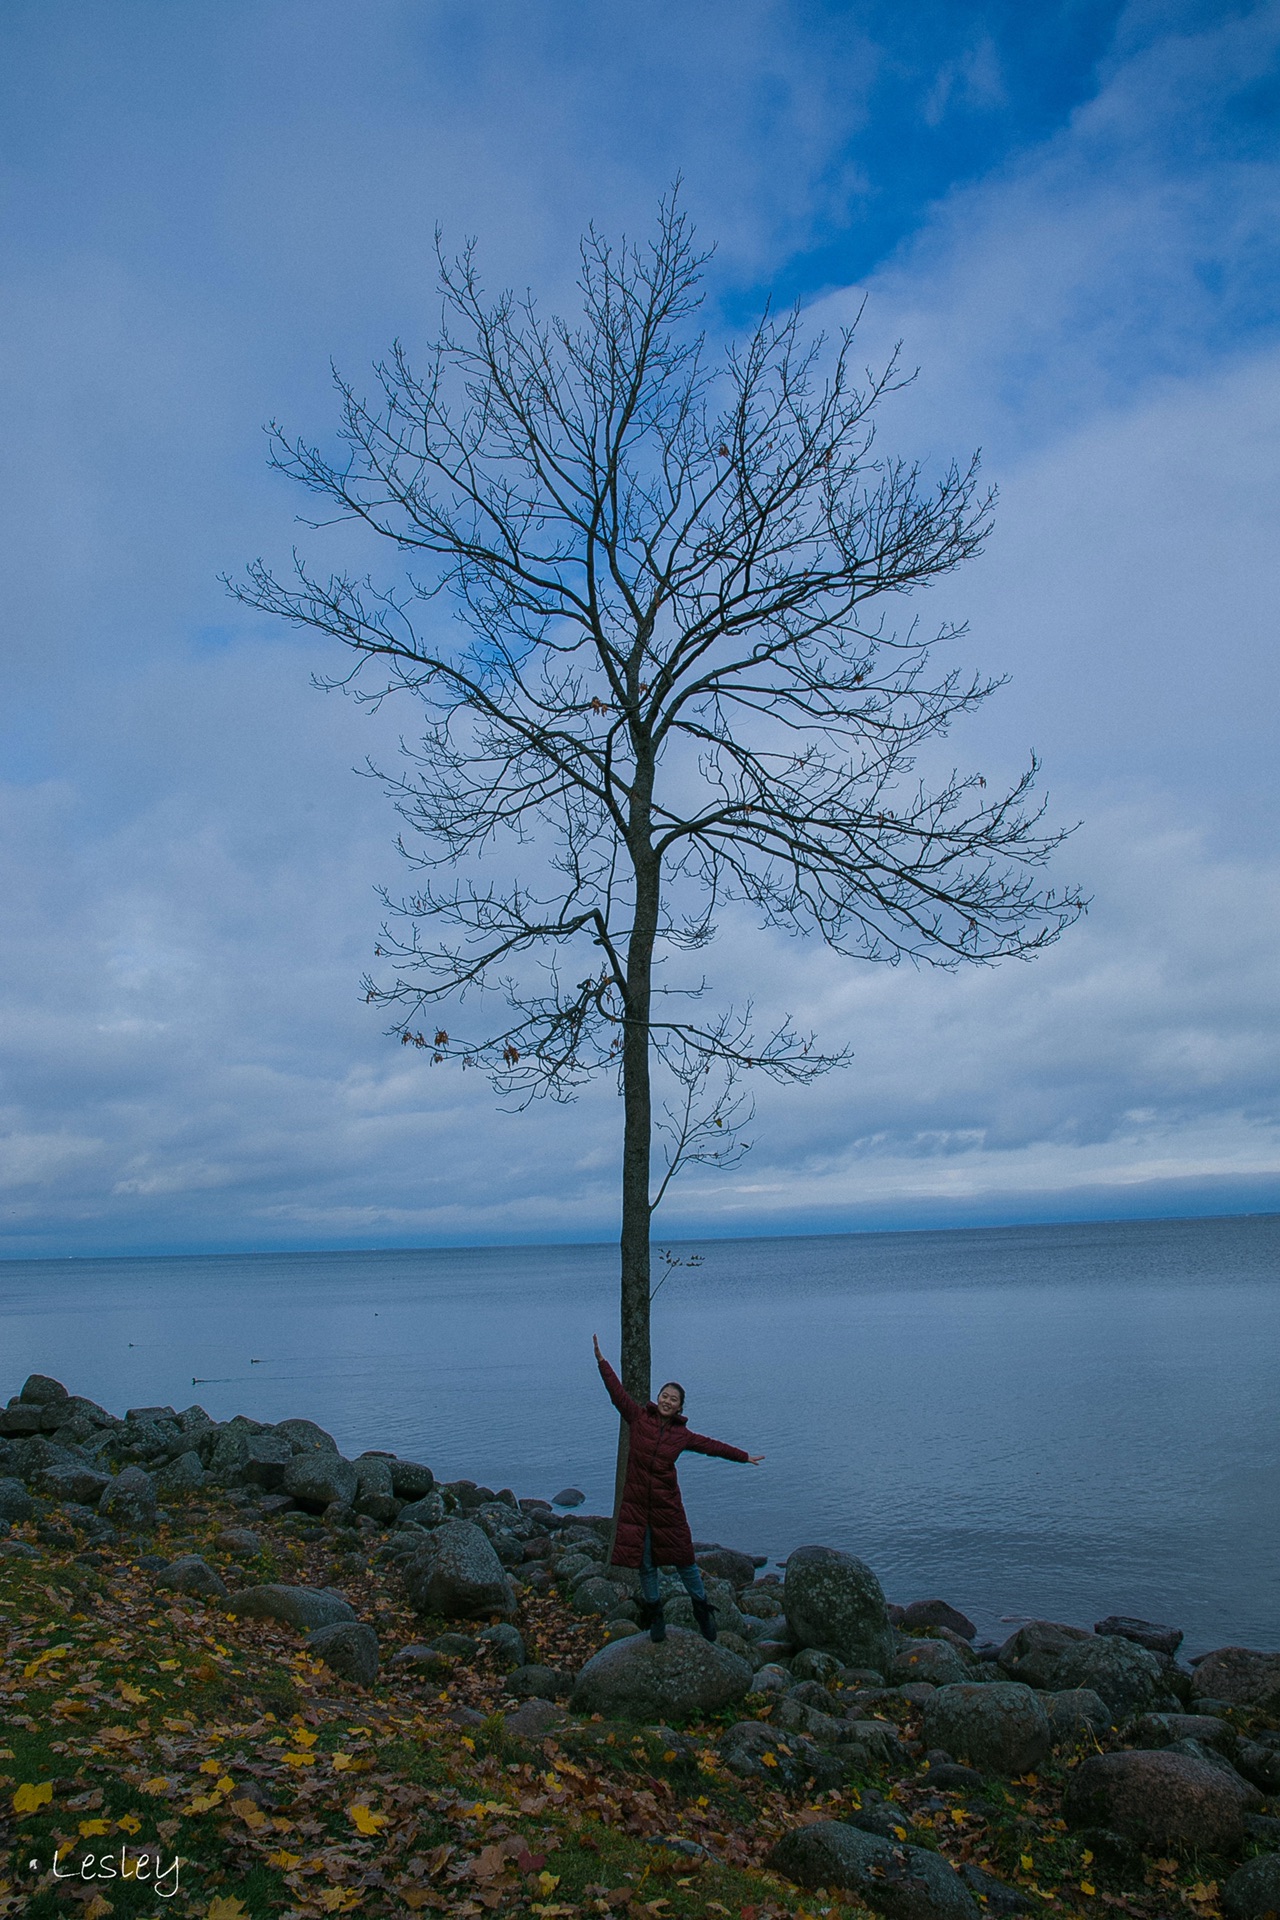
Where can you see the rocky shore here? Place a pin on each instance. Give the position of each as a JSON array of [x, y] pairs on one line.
[[876, 1755]]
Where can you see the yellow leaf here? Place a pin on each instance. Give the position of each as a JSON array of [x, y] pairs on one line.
[[1026, 1862], [202, 1803], [226, 1907], [339, 1899], [211, 1766], [769, 1759], [167, 1666], [284, 1862], [1087, 1857], [129, 1823], [341, 1761], [90, 1829], [303, 1737], [669, 1755], [156, 1785], [28, 1798], [225, 1785], [365, 1819], [1085, 1887], [298, 1759], [548, 1882], [97, 1907], [133, 1695]]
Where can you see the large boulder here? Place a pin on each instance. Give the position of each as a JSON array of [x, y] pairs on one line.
[[317, 1478], [755, 1751], [726, 1563], [83, 1484], [833, 1600], [410, 1480], [38, 1390], [426, 1511], [1077, 1713], [190, 1574], [1162, 1802], [348, 1649], [266, 1459], [130, 1499], [304, 1436], [1144, 1633], [1001, 1727], [936, 1613], [303, 1607], [457, 1573], [1240, 1676], [1253, 1892], [15, 1502], [933, 1660], [184, 1474], [682, 1677], [1125, 1675], [870, 1745], [891, 1877], [1032, 1652]]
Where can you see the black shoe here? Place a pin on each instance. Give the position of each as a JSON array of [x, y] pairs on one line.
[[657, 1622], [644, 1613], [705, 1615]]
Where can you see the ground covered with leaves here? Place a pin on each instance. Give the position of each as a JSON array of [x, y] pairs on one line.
[[162, 1757]]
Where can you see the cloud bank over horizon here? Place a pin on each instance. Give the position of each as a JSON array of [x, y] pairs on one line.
[[1079, 250]]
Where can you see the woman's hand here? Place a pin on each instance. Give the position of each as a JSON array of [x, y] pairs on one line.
[[596, 1344], [754, 1459]]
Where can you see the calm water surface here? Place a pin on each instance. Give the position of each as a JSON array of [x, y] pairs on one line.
[[1066, 1421]]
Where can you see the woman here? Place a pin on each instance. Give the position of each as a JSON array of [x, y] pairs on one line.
[[652, 1529]]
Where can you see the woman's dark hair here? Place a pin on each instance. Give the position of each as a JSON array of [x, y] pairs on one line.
[[679, 1389]]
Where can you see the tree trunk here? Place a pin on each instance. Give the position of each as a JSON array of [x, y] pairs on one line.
[[637, 1146]]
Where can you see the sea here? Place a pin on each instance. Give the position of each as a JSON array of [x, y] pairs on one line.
[[1031, 1421]]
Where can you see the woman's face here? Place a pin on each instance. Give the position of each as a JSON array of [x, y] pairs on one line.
[[669, 1402]]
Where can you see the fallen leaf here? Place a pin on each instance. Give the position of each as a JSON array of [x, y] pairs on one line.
[[96, 1907], [226, 1907], [134, 1696], [158, 1784], [364, 1819], [129, 1823], [548, 1882], [28, 1798], [284, 1862], [90, 1829]]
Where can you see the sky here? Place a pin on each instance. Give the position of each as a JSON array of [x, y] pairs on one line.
[[1067, 214]]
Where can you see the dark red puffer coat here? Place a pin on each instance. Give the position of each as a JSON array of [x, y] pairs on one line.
[[651, 1492]]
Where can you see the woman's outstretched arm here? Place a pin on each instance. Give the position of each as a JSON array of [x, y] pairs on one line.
[[699, 1443], [621, 1399]]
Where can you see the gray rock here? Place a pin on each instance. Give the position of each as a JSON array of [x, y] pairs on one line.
[[1143, 1633], [1001, 1727], [812, 1664], [812, 1693], [507, 1643], [891, 1877], [1248, 1795], [15, 1502], [537, 1683], [373, 1474], [870, 1745], [833, 1600], [568, 1497], [39, 1390], [230, 1450], [1261, 1765], [302, 1607], [457, 1573], [348, 1649], [792, 1716], [936, 1613], [304, 1436], [761, 1603], [996, 1896], [1162, 1729], [620, 1628], [1032, 1652], [182, 1475], [423, 1662], [681, 1677], [19, 1550], [17, 1419], [1160, 1802], [266, 1458], [726, 1563], [317, 1478], [427, 1511], [1253, 1892], [82, 1484], [130, 1499], [933, 1660], [534, 1719], [1126, 1676], [190, 1574], [755, 1751], [1240, 1676], [410, 1480], [770, 1678], [601, 1597], [241, 1542], [461, 1645], [1077, 1713]]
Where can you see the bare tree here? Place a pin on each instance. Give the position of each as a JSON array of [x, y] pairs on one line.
[[668, 682]]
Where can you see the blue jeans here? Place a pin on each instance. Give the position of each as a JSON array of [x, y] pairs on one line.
[[690, 1575]]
